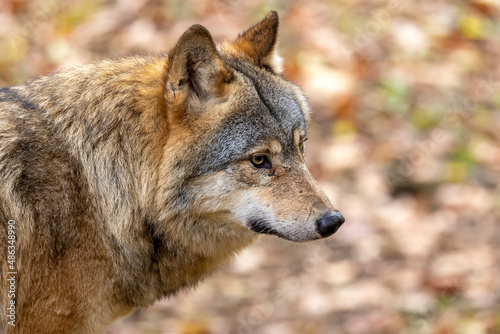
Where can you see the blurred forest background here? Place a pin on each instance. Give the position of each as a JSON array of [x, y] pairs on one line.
[[405, 139]]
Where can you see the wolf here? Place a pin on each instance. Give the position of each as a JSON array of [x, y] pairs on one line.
[[124, 181]]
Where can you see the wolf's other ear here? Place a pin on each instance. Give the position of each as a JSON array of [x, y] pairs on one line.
[[259, 43], [194, 67]]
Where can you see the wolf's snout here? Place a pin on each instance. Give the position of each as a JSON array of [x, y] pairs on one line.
[[329, 223]]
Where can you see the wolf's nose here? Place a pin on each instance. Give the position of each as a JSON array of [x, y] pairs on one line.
[[329, 223]]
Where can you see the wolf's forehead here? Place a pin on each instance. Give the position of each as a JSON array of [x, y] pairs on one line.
[[282, 100], [282, 105], [274, 109], [269, 108]]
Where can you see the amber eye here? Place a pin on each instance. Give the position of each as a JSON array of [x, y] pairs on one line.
[[301, 146], [260, 161]]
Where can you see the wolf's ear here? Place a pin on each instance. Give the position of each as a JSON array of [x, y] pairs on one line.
[[194, 67], [259, 43]]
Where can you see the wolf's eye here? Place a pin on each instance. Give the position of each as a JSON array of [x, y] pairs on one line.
[[260, 161], [301, 146]]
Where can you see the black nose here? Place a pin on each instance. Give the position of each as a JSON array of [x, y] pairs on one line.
[[329, 223]]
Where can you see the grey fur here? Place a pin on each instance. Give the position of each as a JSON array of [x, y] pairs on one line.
[[270, 112]]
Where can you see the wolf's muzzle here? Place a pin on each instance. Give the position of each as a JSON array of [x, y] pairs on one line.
[[329, 223]]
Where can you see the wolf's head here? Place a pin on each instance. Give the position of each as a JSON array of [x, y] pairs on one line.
[[236, 137]]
